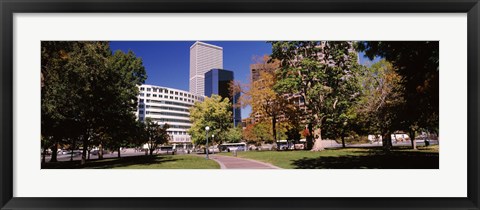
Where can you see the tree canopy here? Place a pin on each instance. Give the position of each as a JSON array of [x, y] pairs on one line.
[[214, 112], [417, 63], [322, 73], [85, 90], [155, 134]]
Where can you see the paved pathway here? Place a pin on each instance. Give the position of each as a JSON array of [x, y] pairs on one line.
[[227, 162]]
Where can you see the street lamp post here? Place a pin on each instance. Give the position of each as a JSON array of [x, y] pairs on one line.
[[213, 148], [206, 146]]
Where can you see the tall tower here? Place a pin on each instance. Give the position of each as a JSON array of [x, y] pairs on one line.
[[203, 57]]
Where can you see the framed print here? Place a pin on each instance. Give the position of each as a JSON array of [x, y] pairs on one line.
[[239, 105]]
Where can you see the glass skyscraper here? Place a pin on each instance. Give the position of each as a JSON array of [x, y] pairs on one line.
[[217, 82]]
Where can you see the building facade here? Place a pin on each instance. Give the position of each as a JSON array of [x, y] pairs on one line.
[[168, 105], [217, 81], [203, 57]]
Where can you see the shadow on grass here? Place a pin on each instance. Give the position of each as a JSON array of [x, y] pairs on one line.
[[109, 162], [373, 159]]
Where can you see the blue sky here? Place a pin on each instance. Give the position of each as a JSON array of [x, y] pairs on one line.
[[167, 62], [365, 60]]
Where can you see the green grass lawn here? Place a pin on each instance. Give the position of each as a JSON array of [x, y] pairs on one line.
[[349, 158], [140, 162]]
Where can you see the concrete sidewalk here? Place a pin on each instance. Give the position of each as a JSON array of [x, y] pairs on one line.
[[240, 163]]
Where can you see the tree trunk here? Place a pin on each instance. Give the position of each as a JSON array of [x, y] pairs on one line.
[[412, 139], [387, 141], [54, 152], [84, 152], [44, 154], [151, 151], [318, 145], [309, 138], [343, 141], [119, 152], [71, 149], [274, 128], [100, 151]]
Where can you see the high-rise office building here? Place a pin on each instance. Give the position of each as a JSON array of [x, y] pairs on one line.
[[168, 106], [217, 82], [203, 57]]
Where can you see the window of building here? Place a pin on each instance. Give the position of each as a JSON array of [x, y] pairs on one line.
[[154, 90], [171, 92], [141, 94], [148, 100], [160, 96], [154, 95], [171, 97], [176, 93], [181, 94], [141, 100], [141, 118], [142, 88], [141, 111], [149, 89], [176, 98], [147, 112], [148, 94]]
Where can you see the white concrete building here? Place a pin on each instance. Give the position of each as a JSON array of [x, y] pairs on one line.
[[203, 57], [168, 105]]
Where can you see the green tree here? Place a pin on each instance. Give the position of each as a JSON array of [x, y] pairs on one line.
[[341, 125], [381, 102], [123, 133], [263, 132], [319, 72], [214, 112], [155, 134], [86, 89], [281, 130], [234, 135], [417, 62], [127, 72], [342, 121], [58, 110]]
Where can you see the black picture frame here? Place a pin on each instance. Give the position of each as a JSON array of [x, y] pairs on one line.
[[10, 7]]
